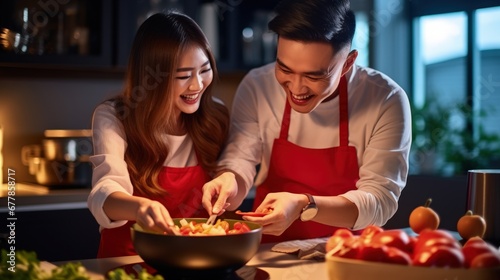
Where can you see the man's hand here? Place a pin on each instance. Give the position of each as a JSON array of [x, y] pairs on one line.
[[218, 191], [286, 209]]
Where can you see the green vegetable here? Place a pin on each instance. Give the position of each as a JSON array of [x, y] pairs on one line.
[[25, 265], [20, 265], [120, 274]]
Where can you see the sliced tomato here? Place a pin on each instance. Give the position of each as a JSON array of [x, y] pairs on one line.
[[244, 227], [241, 227]]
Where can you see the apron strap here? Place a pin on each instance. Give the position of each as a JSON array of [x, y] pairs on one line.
[[343, 113], [285, 123]]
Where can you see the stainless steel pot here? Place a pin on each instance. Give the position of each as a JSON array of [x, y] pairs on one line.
[[57, 173], [67, 145], [483, 198], [62, 159]]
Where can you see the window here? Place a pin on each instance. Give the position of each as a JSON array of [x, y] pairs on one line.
[[456, 89], [488, 44], [361, 38]]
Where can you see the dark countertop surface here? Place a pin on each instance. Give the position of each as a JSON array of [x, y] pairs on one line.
[[32, 197]]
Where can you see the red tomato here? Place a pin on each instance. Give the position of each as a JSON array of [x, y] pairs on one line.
[[344, 244], [350, 248], [397, 256], [472, 250], [239, 227], [428, 233], [373, 253], [426, 244], [393, 238], [383, 253], [474, 240], [433, 238], [185, 230], [244, 227], [343, 232], [485, 260], [439, 256], [368, 233], [413, 241]]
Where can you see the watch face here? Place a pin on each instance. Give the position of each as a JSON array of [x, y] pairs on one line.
[[309, 214]]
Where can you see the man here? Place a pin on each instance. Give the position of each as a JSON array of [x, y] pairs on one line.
[[331, 138]]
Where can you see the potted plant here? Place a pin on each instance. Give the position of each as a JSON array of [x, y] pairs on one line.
[[443, 144], [464, 150]]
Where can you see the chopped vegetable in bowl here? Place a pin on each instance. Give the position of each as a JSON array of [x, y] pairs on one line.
[[219, 228]]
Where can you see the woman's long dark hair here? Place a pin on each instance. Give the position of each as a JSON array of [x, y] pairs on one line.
[[147, 108]]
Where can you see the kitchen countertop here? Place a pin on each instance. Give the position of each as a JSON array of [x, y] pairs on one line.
[[32, 197], [277, 265]]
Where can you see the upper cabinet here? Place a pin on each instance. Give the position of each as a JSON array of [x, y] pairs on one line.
[[56, 32], [90, 34]]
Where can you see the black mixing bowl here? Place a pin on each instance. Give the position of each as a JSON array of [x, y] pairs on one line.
[[195, 256]]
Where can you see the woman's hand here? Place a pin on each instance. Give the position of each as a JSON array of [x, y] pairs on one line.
[[152, 215], [218, 191], [286, 209]]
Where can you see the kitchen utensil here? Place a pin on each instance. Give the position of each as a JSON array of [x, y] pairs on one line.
[[56, 173], [62, 159], [208, 257], [250, 214], [483, 198], [9, 40], [211, 220], [67, 145]]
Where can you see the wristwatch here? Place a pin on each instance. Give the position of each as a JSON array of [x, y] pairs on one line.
[[310, 210]]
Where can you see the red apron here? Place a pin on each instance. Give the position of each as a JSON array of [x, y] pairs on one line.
[[326, 172], [183, 200]]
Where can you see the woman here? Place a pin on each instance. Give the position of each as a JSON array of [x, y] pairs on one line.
[[157, 143]]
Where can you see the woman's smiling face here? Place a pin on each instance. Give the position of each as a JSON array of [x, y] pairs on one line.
[[309, 72], [193, 75]]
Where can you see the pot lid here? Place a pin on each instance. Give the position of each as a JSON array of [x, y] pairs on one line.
[[51, 133]]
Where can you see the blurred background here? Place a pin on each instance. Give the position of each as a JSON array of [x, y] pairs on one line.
[[60, 59]]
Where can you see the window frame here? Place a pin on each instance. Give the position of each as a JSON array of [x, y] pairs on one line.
[[472, 67]]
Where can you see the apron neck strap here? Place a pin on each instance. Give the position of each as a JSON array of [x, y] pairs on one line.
[[343, 115]]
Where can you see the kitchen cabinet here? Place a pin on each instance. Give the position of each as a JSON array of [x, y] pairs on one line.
[[78, 34], [55, 223], [55, 235], [72, 33]]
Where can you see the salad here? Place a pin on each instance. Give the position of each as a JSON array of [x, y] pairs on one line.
[[219, 228]]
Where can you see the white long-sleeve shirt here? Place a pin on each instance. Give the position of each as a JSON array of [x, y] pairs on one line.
[[110, 172], [379, 128]]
